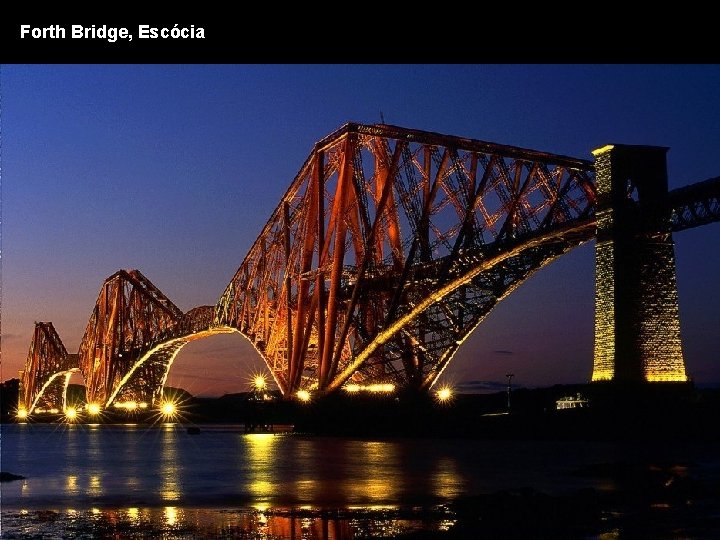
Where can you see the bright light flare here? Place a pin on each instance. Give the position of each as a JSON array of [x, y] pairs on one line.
[[22, 414], [168, 409], [93, 409], [303, 395], [71, 413], [259, 382], [444, 394]]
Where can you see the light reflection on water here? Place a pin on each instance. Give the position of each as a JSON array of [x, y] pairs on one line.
[[171, 515], [89, 466], [277, 484], [170, 466], [259, 461], [104, 478], [446, 478], [175, 523], [377, 465], [71, 486], [92, 466]]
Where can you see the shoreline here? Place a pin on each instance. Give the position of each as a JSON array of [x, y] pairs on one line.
[[656, 413]]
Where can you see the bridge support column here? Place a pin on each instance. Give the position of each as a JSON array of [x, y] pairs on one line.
[[637, 323]]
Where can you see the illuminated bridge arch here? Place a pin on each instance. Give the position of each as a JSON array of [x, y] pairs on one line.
[[131, 340], [48, 368], [144, 382], [391, 245], [132, 337]]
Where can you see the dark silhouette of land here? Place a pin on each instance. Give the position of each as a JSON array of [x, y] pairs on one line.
[[612, 411]]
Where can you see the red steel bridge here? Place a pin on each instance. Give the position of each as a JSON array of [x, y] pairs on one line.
[[389, 247]]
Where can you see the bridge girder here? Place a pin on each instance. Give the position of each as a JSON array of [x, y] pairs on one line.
[[145, 380], [46, 360], [390, 246], [694, 205], [380, 220], [138, 366], [130, 316]]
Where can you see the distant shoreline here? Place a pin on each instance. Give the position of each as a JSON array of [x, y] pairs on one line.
[[610, 412]]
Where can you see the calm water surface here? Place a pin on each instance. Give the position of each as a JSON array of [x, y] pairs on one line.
[[85, 476]]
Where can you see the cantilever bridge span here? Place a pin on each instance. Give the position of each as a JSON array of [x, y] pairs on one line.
[[390, 246]]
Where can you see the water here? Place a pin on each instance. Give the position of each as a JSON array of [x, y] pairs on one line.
[[223, 482]]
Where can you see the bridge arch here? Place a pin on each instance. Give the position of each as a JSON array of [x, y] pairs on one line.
[[146, 378], [133, 335], [378, 231], [47, 371], [390, 246], [217, 365], [463, 300], [52, 395]]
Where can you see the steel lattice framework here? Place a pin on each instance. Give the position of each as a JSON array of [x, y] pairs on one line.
[[391, 245], [47, 370], [133, 334], [694, 205]]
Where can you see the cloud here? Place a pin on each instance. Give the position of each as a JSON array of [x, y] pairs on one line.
[[481, 386]]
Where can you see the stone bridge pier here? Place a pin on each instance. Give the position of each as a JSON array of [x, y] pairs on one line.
[[637, 321]]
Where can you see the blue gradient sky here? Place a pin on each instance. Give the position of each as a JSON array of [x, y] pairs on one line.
[[175, 169]]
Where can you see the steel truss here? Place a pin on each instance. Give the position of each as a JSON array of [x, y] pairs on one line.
[[694, 205], [120, 351], [47, 371], [391, 245]]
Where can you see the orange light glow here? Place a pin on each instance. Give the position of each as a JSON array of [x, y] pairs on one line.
[[373, 388], [93, 408], [444, 394], [260, 382], [22, 414], [303, 395], [129, 405], [168, 409]]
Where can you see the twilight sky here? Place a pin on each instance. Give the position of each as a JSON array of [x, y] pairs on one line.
[[175, 169]]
